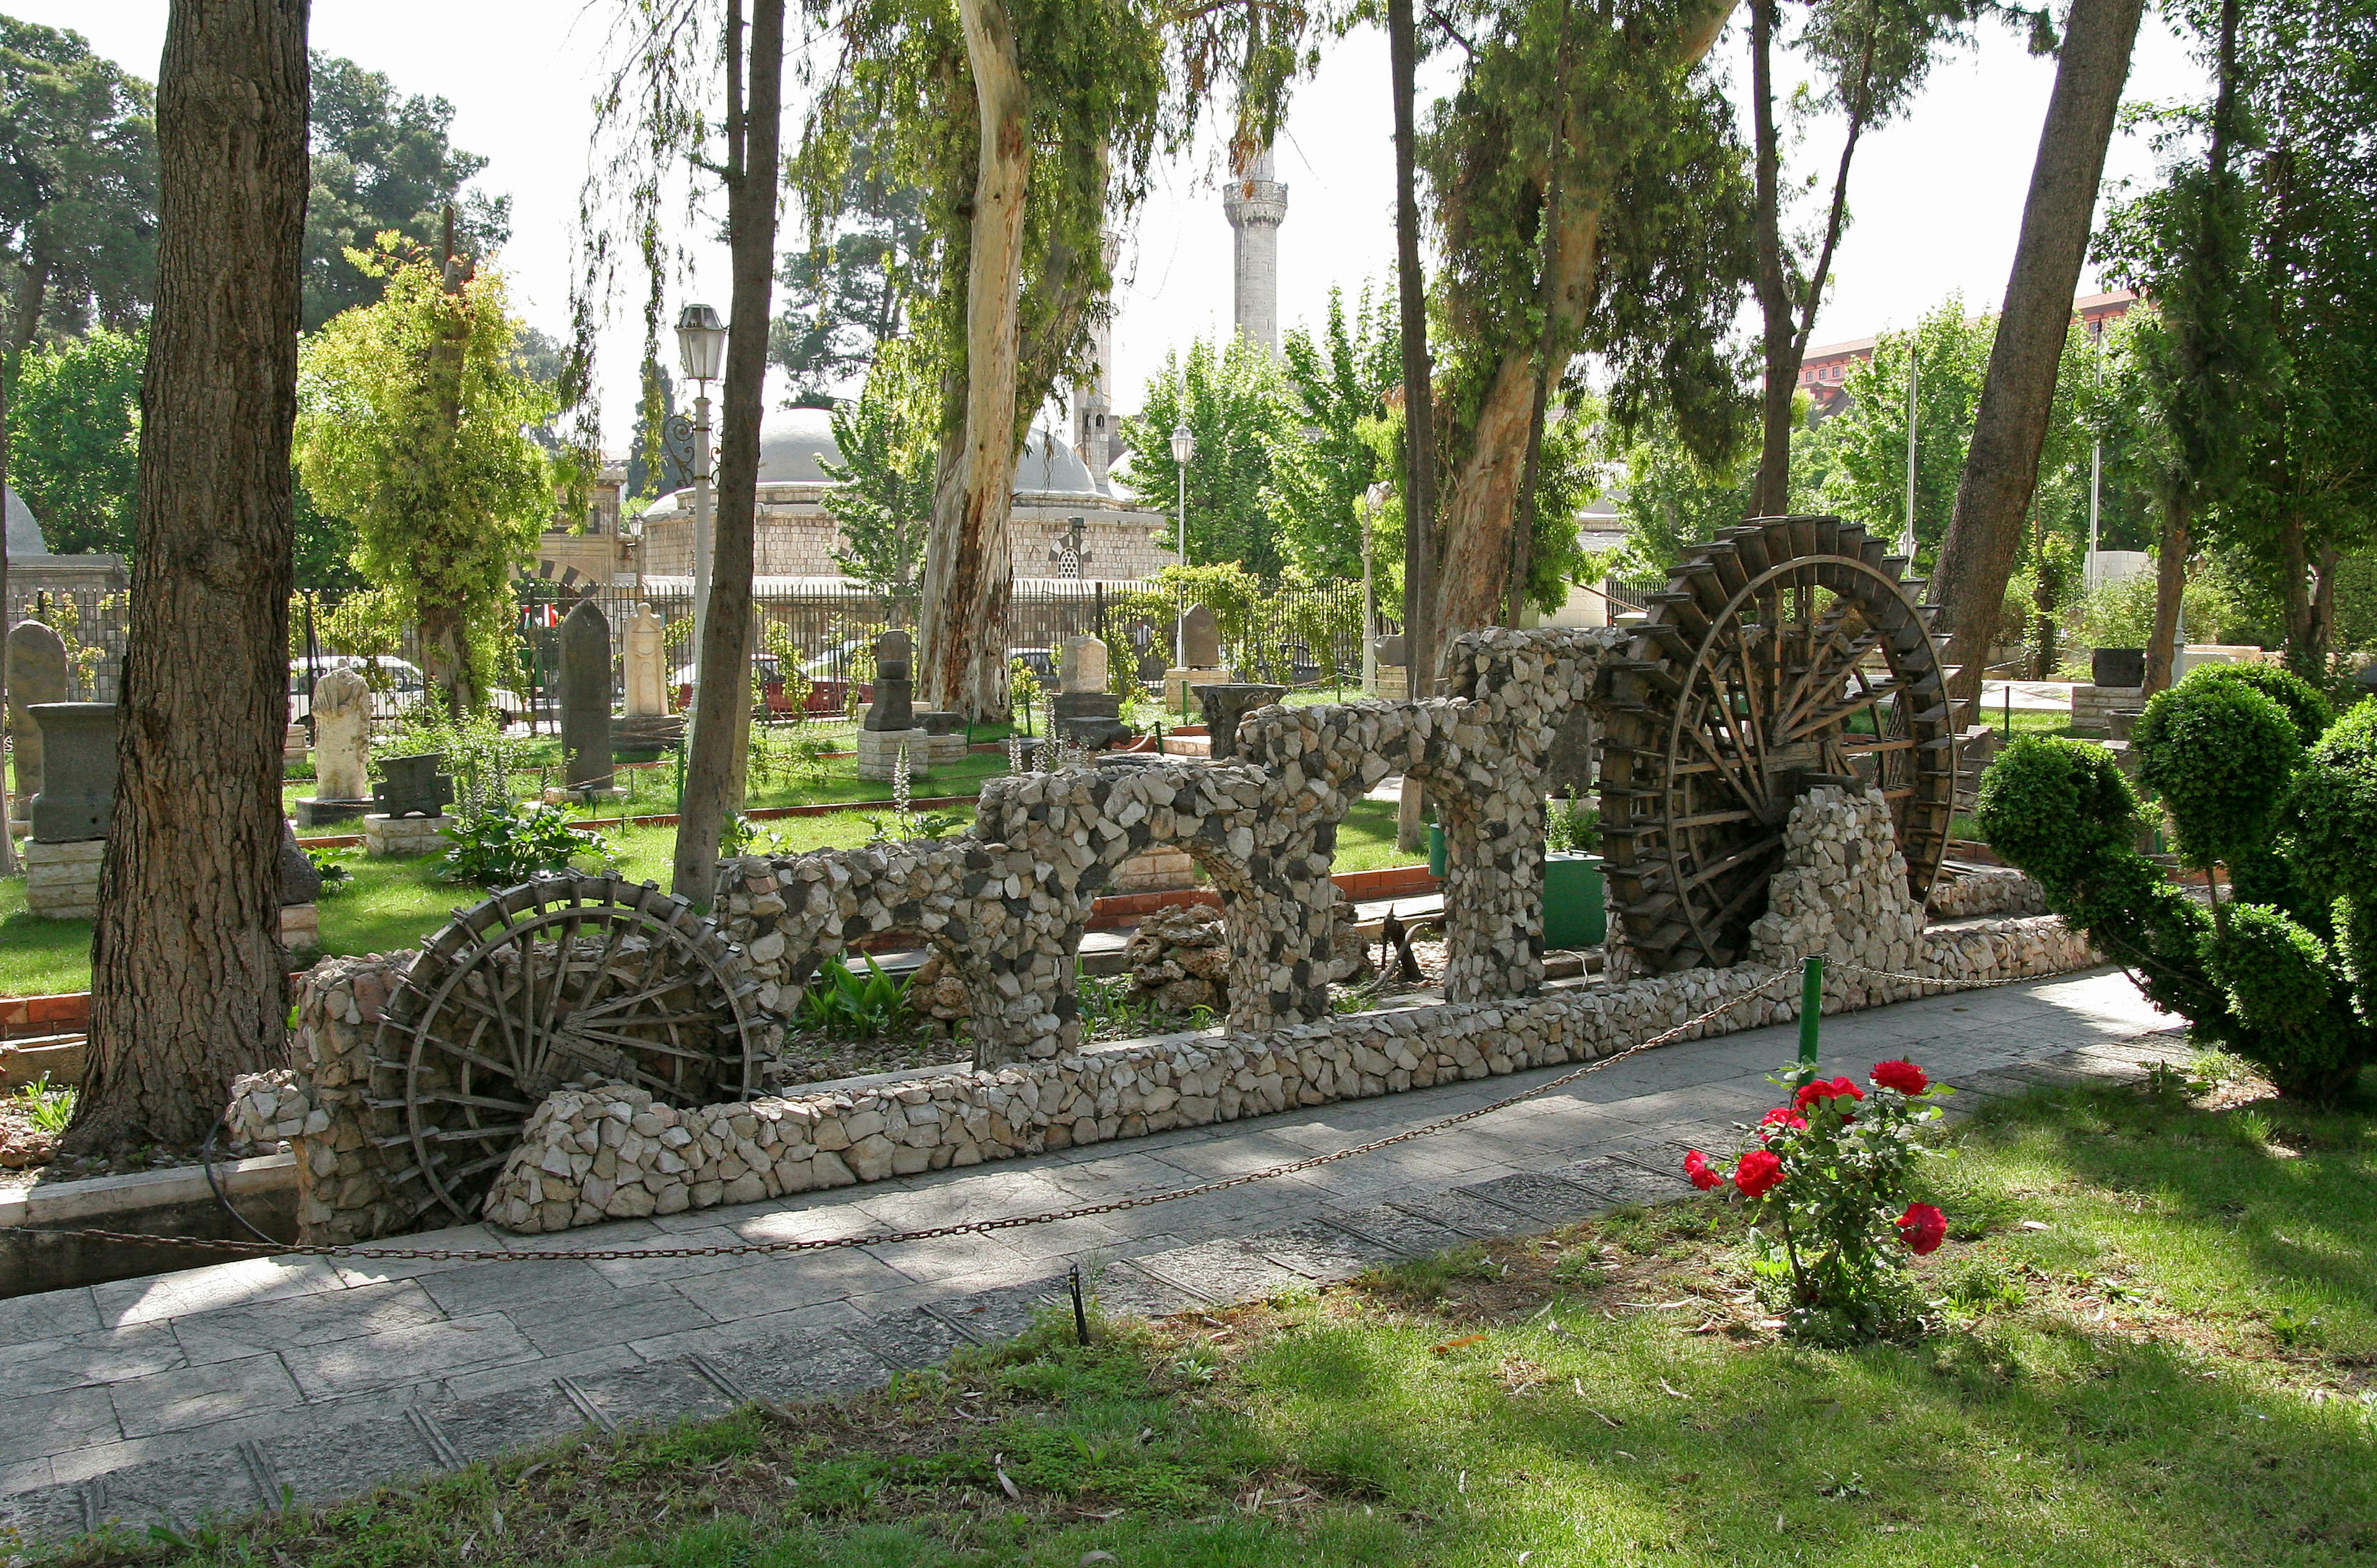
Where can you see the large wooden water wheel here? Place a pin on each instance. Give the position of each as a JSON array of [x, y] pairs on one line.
[[1786, 653], [564, 980]]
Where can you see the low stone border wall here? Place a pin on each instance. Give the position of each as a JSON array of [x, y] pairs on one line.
[[1986, 889], [591, 1154]]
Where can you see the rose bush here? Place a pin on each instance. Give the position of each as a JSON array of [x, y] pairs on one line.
[[1830, 1174]]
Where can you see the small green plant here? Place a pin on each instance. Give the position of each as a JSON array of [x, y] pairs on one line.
[[1829, 1174], [332, 866], [1985, 1285], [50, 1110], [902, 823], [1570, 827], [841, 1004], [506, 842]]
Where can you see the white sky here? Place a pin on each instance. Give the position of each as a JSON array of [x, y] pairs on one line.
[[1937, 195]]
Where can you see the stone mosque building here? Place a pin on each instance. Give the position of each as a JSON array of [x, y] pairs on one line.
[[1075, 517]]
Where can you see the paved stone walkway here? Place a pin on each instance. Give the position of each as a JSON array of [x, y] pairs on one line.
[[232, 1387]]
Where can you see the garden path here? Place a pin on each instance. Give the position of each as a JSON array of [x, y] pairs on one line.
[[235, 1386]]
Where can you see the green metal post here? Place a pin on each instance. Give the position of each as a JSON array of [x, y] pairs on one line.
[[1812, 1010]]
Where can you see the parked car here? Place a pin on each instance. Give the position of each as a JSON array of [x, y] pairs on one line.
[[399, 687], [824, 696]]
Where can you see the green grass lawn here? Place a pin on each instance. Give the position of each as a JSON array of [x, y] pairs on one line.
[[2154, 1336]]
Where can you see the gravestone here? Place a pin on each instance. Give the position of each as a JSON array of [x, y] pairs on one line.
[[586, 699], [71, 814], [893, 709], [891, 725], [1153, 663], [411, 801], [1394, 681], [2123, 667], [341, 709], [1081, 665], [948, 736], [646, 660], [1200, 639], [300, 882], [1224, 705], [36, 674]]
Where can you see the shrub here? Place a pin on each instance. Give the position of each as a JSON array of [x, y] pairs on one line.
[[2304, 702], [2217, 752], [2054, 807], [506, 842], [839, 1003], [1832, 1172]]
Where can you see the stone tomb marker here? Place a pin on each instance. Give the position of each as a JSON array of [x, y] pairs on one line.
[[891, 725], [71, 814], [1200, 657], [1084, 711], [647, 677], [37, 673], [1081, 665], [586, 699], [341, 708]]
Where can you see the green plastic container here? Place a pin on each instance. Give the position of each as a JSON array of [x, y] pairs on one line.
[[1436, 852], [1574, 913]]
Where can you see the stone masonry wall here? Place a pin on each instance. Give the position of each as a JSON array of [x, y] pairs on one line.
[[593, 1153]]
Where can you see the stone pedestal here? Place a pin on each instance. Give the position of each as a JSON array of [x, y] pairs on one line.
[[878, 751], [294, 743], [1089, 719], [640, 738], [78, 798], [2092, 706], [948, 732], [403, 837], [301, 927], [1179, 686], [62, 880], [1227, 702], [1392, 685], [314, 813]]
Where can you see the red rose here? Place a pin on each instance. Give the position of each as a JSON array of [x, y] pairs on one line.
[[1902, 1076], [1697, 1168], [1825, 1089], [1759, 1169], [1782, 1116], [1922, 1227]]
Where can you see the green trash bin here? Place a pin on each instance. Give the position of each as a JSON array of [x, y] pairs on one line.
[[1435, 851], [1574, 913]]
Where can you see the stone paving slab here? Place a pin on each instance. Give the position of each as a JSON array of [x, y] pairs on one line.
[[223, 1388]]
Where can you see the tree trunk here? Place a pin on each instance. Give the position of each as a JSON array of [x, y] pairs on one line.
[[2171, 589], [32, 292], [445, 623], [2295, 596], [2322, 614], [968, 576], [2009, 431], [1419, 425], [722, 715], [1771, 487], [7, 839], [187, 966]]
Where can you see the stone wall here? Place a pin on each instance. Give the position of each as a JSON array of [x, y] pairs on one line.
[[354, 1161], [2093, 707], [593, 1154], [1985, 889]]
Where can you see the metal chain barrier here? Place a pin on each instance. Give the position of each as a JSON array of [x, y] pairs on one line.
[[985, 1226]]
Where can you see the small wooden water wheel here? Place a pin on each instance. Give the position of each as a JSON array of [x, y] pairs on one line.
[[564, 980], [1786, 653]]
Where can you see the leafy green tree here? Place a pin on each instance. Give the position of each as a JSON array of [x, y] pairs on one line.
[[1857, 463], [1670, 500], [889, 434], [847, 292], [1236, 403], [381, 161], [77, 185], [73, 413], [412, 426], [1322, 472]]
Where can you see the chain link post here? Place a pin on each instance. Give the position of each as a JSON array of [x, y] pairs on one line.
[[1812, 1013]]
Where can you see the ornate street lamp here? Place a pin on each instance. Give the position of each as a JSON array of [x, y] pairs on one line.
[[701, 354], [1184, 447]]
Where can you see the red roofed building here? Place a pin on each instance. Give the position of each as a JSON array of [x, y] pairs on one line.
[[1824, 370]]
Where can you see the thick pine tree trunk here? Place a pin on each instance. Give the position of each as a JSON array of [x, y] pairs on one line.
[[968, 583], [7, 839], [2170, 586], [1419, 423], [2001, 465], [187, 964], [723, 717], [1772, 485]]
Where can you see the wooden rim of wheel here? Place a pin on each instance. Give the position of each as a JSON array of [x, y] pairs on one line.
[[1786, 653]]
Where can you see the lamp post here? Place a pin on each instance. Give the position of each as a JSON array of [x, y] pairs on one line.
[[701, 354], [1184, 447]]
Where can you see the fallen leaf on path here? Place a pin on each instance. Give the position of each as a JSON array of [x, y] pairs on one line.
[[1672, 1392], [1450, 1345]]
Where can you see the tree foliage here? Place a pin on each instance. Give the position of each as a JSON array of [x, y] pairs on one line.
[[889, 436], [1337, 381], [412, 425], [847, 291], [381, 161], [78, 187], [1236, 403], [73, 413]]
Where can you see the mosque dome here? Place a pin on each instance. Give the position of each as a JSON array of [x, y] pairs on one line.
[[23, 533], [1048, 465], [792, 443]]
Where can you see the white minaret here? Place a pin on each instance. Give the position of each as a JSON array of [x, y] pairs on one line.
[[1094, 397], [1256, 205]]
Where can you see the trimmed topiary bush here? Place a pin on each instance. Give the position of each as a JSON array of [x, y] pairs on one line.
[[2302, 702], [2266, 976]]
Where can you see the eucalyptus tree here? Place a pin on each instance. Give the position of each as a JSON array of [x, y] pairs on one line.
[[1641, 263], [1988, 528]]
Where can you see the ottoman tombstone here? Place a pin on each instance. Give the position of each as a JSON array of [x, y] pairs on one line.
[[36, 674], [71, 814], [890, 726], [1224, 705], [1199, 639], [341, 748], [411, 800], [1085, 712], [586, 700]]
